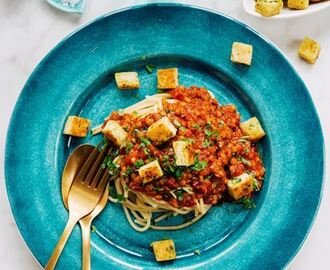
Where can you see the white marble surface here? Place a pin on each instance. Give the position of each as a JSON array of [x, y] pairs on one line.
[[30, 28]]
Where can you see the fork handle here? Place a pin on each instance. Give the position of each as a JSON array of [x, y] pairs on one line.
[[61, 243], [86, 236]]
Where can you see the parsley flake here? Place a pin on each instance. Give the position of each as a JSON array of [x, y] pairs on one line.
[[139, 163], [197, 252], [247, 203], [150, 68]]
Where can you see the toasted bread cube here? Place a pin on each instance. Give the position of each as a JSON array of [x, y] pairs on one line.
[[268, 8], [167, 78], [298, 4], [164, 250], [309, 50], [127, 80], [161, 131], [150, 171], [240, 186], [253, 129], [114, 132], [241, 53], [76, 126], [183, 155]]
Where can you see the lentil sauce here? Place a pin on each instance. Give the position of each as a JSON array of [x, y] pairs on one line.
[[220, 149]]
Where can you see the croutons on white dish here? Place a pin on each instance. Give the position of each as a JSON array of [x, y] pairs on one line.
[[240, 186], [150, 171], [167, 78], [161, 131], [268, 7], [114, 132], [76, 126], [183, 155], [127, 80], [298, 4]]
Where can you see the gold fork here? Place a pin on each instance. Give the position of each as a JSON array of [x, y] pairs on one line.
[[85, 193]]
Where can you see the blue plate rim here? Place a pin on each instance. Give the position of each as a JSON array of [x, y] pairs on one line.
[[170, 4]]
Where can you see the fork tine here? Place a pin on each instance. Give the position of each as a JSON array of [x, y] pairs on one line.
[[85, 168], [97, 164], [104, 181]]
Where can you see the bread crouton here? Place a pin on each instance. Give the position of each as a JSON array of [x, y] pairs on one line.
[[268, 8], [183, 155], [127, 80], [161, 131], [309, 50], [298, 4], [253, 129], [114, 132], [241, 53], [240, 186], [164, 250], [167, 78], [150, 171], [76, 126]]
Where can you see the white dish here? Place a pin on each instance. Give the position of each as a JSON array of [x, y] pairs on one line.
[[249, 7]]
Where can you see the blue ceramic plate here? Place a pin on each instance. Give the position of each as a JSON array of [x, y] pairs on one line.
[[77, 78]]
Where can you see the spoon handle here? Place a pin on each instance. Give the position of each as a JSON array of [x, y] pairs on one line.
[[61, 243], [85, 224]]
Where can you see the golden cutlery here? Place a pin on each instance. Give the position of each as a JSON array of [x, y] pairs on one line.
[[85, 192], [72, 166]]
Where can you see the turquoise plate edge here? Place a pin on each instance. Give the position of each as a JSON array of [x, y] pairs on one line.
[[11, 128]]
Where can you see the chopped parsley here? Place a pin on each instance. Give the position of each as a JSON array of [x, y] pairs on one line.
[[178, 173], [206, 143], [208, 133], [182, 128], [245, 161], [108, 162], [179, 195], [139, 163], [93, 228], [198, 164], [150, 68], [255, 185], [197, 252], [195, 126], [236, 180], [188, 140], [128, 172], [119, 197], [144, 142], [209, 176], [247, 203], [129, 147]]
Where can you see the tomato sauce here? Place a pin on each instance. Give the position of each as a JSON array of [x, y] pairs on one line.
[[220, 149]]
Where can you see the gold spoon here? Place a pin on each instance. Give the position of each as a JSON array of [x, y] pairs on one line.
[[72, 166]]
